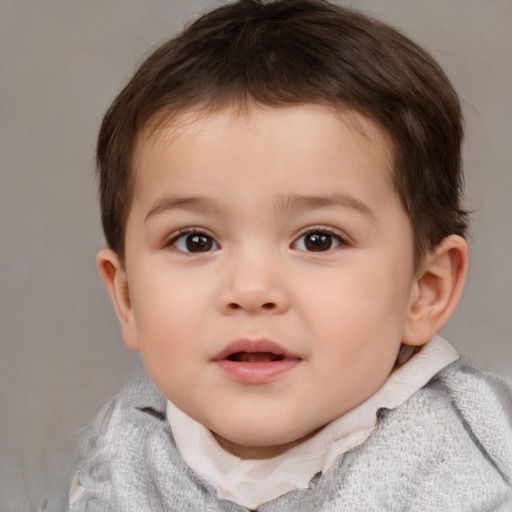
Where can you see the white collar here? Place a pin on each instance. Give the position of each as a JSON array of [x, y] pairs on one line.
[[253, 482]]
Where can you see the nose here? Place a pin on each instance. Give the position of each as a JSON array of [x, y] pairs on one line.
[[254, 286]]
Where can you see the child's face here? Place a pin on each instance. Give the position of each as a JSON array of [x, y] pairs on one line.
[[279, 232]]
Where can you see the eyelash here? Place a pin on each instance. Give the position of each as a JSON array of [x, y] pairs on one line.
[[339, 239], [211, 245], [182, 234]]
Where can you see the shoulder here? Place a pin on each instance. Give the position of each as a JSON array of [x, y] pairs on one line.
[[467, 414], [136, 403], [449, 447], [482, 402], [115, 440], [128, 460], [134, 413]]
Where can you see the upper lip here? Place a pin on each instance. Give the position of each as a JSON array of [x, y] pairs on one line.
[[254, 346]]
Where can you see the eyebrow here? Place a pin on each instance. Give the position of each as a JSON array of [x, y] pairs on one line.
[[192, 203], [300, 202], [291, 203]]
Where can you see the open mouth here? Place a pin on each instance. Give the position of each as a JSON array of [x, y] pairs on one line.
[[255, 361], [255, 357], [253, 351]]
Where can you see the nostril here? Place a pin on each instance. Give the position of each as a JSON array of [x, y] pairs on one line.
[[252, 306]]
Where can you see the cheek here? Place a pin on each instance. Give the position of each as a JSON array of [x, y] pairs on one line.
[[169, 333], [363, 286], [365, 301], [168, 309], [168, 290]]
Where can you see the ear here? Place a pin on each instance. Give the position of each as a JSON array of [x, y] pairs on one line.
[[113, 273], [436, 290]]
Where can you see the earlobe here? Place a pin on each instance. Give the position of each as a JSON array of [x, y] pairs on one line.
[[436, 290], [114, 276]]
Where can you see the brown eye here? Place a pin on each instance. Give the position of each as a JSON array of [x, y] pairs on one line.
[[318, 241], [199, 243], [194, 243]]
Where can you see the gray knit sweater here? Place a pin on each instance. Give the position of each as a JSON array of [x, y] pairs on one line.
[[448, 448]]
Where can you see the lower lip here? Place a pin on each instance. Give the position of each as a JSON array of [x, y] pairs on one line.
[[256, 372]]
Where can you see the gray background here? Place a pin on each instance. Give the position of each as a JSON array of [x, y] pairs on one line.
[[62, 62]]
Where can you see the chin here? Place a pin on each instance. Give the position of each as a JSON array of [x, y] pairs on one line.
[[256, 438], [259, 441]]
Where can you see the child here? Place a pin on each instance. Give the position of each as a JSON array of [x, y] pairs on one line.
[[280, 190]]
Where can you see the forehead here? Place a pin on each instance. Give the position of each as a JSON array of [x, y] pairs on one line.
[[201, 131]]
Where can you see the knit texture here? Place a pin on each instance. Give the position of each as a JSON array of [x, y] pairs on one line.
[[448, 448]]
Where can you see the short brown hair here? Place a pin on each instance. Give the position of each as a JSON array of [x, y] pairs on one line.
[[291, 52]]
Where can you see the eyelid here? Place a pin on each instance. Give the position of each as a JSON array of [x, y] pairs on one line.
[[343, 239], [176, 235]]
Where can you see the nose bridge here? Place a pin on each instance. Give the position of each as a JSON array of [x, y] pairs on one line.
[[253, 282]]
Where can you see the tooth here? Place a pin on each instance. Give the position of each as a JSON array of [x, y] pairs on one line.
[[249, 358]]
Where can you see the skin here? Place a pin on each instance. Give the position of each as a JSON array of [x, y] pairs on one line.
[[257, 187]]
